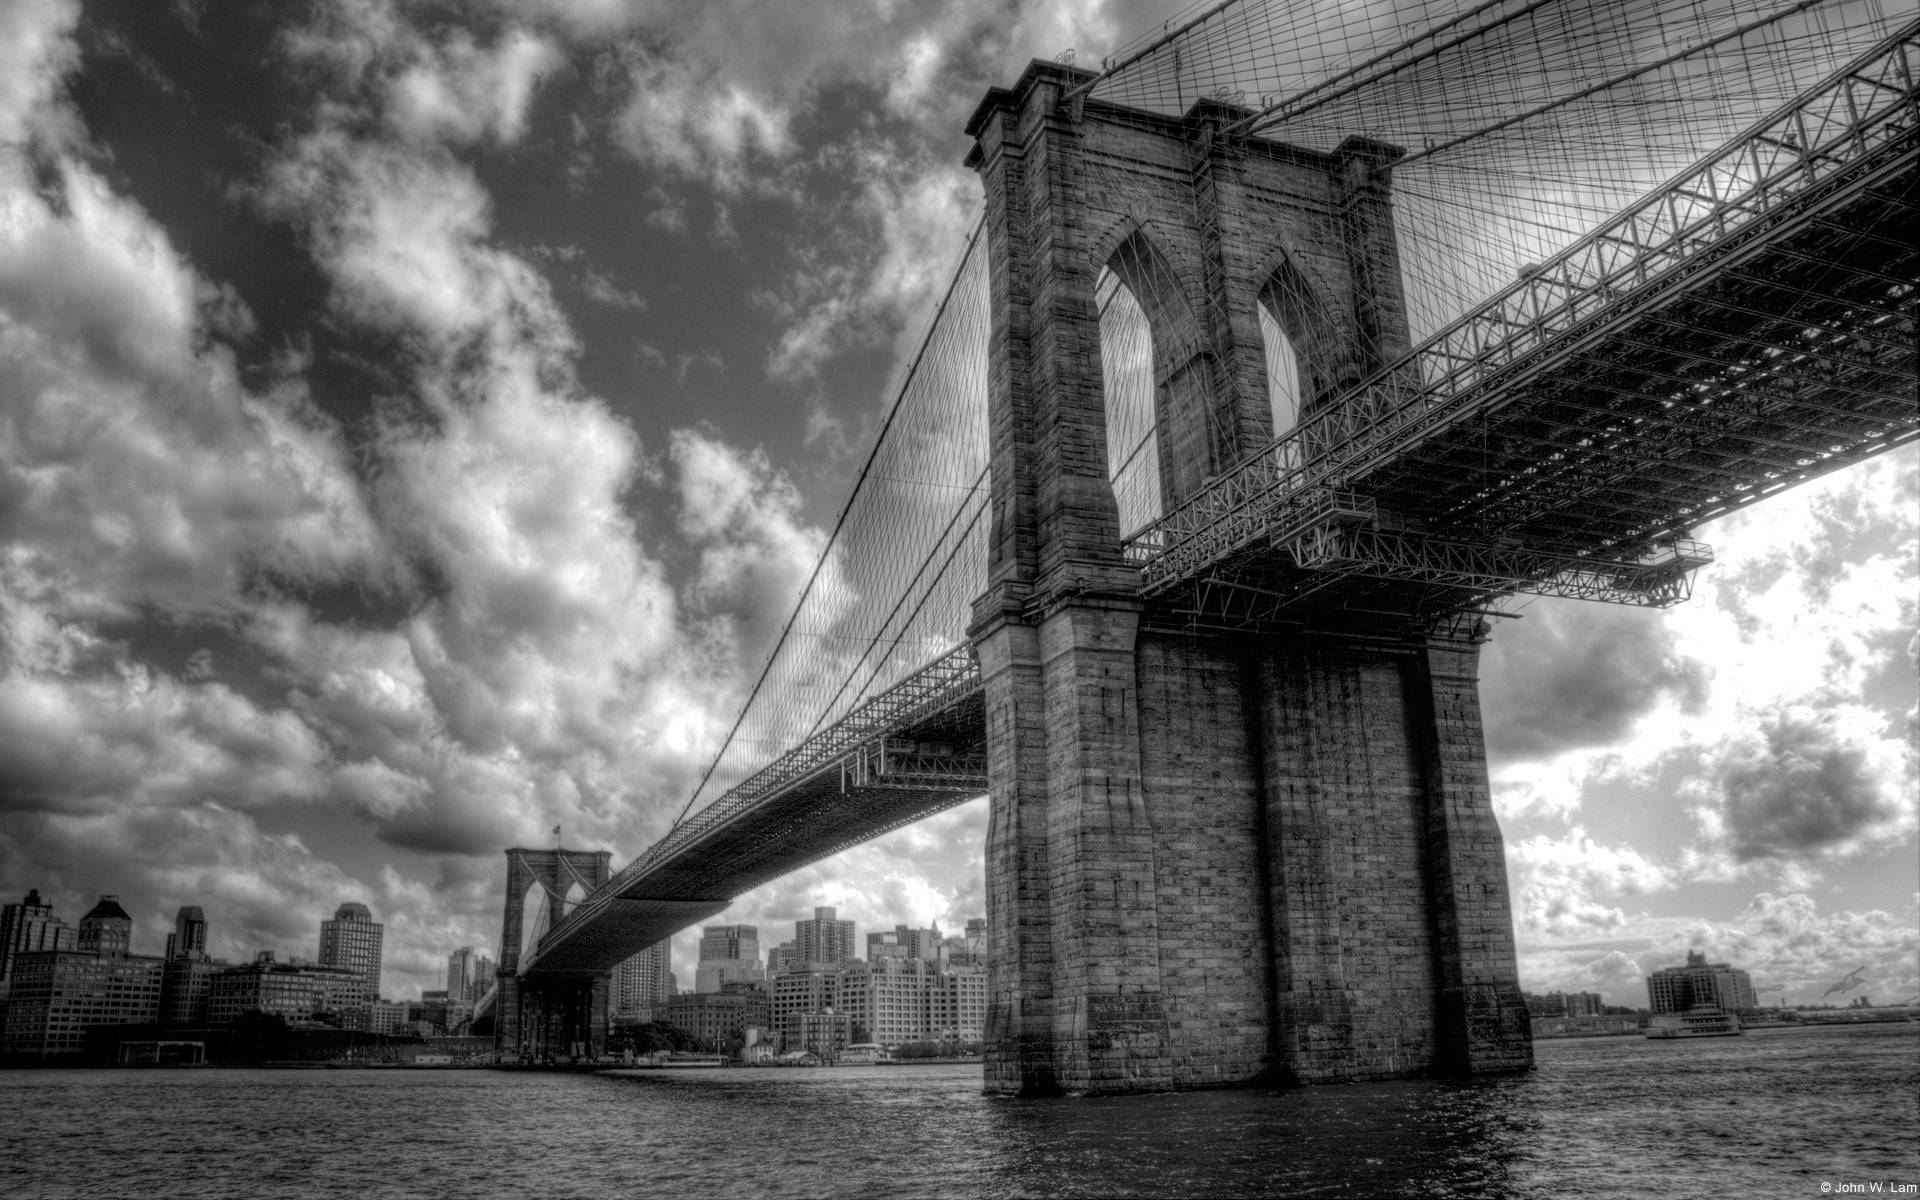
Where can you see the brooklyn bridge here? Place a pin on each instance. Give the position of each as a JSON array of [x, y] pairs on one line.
[[1277, 359]]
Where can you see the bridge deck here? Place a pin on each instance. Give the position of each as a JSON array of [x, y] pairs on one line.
[[911, 752]]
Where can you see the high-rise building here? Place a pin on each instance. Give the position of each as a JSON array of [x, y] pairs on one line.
[[824, 939], [189, 936], [728, 954], [106, 929], [730, 941], [463, 982], [1677, 989], [27, 927], [351, 941], [643, 983]]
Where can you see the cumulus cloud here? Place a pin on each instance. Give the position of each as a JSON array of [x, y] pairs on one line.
[[1563, 887], [1577, 675], [524, 658], [1807, 783]]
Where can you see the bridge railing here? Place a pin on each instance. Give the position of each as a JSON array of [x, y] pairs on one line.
[[1642, 253]]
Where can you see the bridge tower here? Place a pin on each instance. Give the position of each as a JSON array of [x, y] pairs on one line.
[[550, 1015], [1215, 857]]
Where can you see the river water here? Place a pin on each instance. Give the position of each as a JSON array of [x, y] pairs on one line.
[[1772, 1113]]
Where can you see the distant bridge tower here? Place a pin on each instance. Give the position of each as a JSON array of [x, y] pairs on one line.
[[1215, 856], [554, 1014]]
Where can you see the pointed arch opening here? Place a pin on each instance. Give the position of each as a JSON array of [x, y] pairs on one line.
[[1159, 384], [1301, 339], [1126, 366], [534, 918], [575, 894]]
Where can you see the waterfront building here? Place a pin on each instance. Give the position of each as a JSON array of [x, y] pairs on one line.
[[189, 936], [351, 942], [387, 1016], [106, 929], [55, 995], [899, 1000], [1564, 1004], [716, 1017], [642, 983], [297, 992], [1677, 989], [824, 939], [27, 927], [825, 1035]]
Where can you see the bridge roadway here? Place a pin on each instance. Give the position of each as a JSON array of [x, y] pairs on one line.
[[1747, 327]]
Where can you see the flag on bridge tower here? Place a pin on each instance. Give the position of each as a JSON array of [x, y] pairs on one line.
[[556, 837]]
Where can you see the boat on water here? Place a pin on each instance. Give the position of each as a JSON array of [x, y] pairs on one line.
[[1703, 1021]]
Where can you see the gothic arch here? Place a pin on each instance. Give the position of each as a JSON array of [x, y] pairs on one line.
[[1313, 330], [1183, 375]]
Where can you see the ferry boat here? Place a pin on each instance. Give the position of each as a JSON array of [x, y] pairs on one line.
[[1704, 1021]]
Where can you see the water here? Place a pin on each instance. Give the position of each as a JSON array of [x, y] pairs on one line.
[[1772, 1113]]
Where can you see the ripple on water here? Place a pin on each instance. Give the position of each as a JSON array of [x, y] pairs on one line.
[[1768, 1114]]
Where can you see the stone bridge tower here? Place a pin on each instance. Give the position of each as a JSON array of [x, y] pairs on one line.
[[1214, 857], [552, 1015]]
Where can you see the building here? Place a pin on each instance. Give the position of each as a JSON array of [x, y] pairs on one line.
[[783, 958], [27, 927], [825, 1035], [59, 994], [643, 983], [351, 942], [899, 1000], [901, 942], [106, 929], [728, 954], [1677, 989], [825, 939], [56, 995], [388, 1016], [1565, 1004], [186, 991], [464, 981], [189, 936], [717, 1017], [297, 993]]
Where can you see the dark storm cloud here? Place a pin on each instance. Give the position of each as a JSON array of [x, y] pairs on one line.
[[1804, 787], [1571, 675]]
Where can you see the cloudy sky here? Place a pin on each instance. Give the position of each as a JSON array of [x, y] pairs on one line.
[[414, 419]]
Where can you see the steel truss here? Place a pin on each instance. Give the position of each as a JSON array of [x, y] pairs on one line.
[[1574, 456], [874, 768]]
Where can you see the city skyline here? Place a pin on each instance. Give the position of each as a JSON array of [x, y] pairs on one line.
[[414, 434]]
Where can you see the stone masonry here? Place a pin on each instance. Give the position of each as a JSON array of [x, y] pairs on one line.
[[550, 1016], [1213, 858]]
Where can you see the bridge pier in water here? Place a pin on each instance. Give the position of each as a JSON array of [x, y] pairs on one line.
[[548, 1016], [1215, 856]]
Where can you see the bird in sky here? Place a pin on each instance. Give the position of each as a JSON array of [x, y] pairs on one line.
[[1851, 982]]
